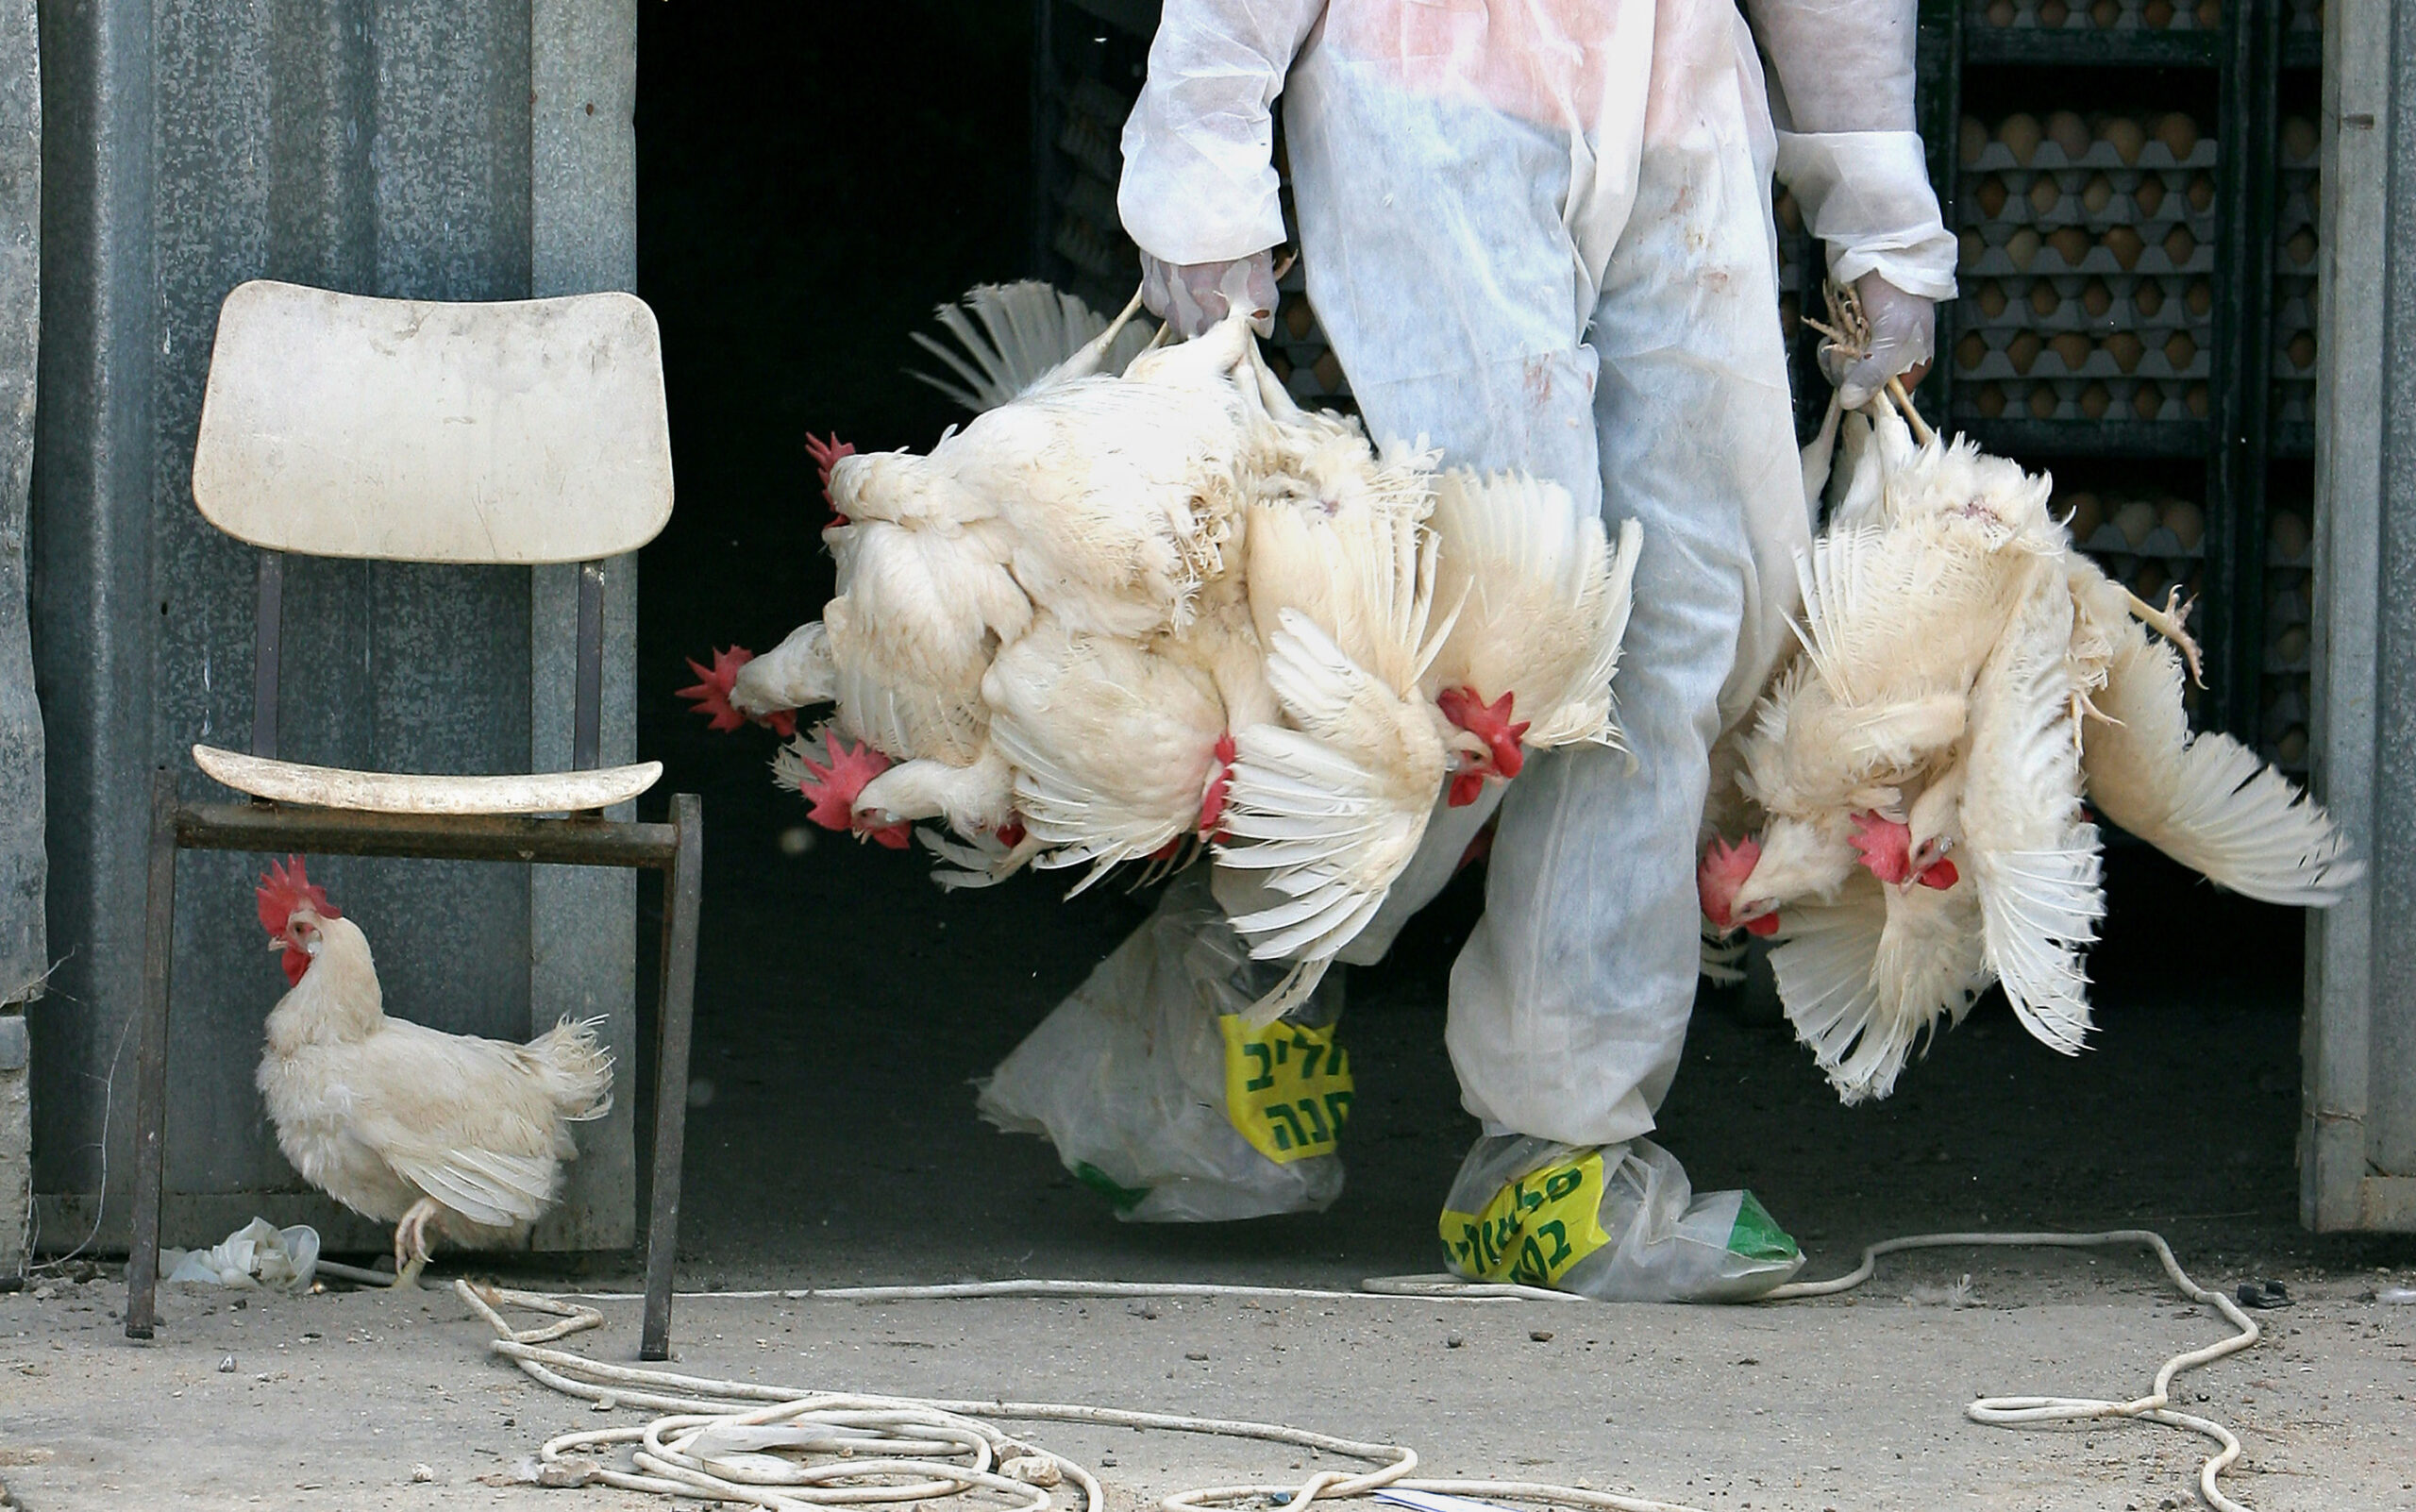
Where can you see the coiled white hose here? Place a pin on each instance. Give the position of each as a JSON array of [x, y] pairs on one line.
[[741, 1441]]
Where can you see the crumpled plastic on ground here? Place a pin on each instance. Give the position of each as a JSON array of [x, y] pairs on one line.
[[259, 1254], [1613, 1222], [1159, 1097]]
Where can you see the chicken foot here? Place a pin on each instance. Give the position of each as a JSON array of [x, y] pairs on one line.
[[410, 1241], [1851, 336], [2170, 622]]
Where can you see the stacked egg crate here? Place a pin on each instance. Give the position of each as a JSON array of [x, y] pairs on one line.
[[2097, 15], [2086, 262], [2297, 198], [2289, 597], [1298, 351], [2150, 543], [1088, 233]]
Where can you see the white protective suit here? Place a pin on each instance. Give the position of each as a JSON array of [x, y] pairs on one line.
[[1538, 233]]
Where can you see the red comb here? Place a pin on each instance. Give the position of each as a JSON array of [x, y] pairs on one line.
[[1212, 803], [1489, 722], [826, 455], [711, 695], [283, 891], [1885, 845], [831, 789], [1724, 870]]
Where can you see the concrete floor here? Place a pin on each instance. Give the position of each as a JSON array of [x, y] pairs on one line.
[[333, 1401]]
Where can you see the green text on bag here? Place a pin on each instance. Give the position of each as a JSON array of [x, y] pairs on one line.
[[1535, 1228], [1287, 1087]]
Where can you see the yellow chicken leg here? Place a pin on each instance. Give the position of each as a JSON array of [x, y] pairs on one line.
[[411, 1242], [2170, 622]]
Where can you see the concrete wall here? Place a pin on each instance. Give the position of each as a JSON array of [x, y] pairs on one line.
[[449, 149], [2358, 1142], [22, 957]]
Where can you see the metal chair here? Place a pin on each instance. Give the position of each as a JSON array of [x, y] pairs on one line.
[[517, 434]]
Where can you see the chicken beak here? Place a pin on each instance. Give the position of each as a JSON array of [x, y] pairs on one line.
[[276, 943]]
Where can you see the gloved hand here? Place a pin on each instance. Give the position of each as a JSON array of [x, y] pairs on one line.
[[1903, 336], [1192, 296]]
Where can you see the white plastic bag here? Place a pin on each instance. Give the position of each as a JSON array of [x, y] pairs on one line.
[[259, 1254], [1157, 1094], [1617, 1224]]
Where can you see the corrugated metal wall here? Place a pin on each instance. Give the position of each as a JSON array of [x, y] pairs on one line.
[[21, 807], [446, 149]]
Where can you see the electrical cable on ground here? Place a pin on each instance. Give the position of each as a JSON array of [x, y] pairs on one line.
[[715, 1437]]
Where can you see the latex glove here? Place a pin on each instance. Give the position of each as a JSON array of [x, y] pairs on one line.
[[1192, 296], [1903, 336]]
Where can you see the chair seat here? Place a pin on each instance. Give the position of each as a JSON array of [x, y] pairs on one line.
[[336, 787]]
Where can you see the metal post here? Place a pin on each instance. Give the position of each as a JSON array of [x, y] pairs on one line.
[[683, 893], [587, 700], [268, 635], [151, 1063]]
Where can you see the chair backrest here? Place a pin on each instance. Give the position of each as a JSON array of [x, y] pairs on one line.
[[341, 425]]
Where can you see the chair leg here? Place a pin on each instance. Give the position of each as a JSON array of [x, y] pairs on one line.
[[683, 891], [151, 1062]]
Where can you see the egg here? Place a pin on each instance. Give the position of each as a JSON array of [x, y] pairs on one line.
[[2210, 14], [2044, 195], [1329, 371], [2149, 581], [2291, 645], [2053, 13], [2022, 247], [2044, 301], [2148, 297], [2290, 750], [1991, 298], [2201, 297], [2148, 195], [2020, 135], [2301, 350], [2126, 136], [2156, 14], [1989, 401], [2125, 347], [2181, 349], [2072, 348], [2022, 351], [2094, 401], [2197, 400], [2301, 247], [2071, 243], [2178, 133], [2124, 243], [1970, 247], [2147, 401], [2067, 130], [2096, 194], [2042, 403], [1971, 351], [1300, 319], [2187, 521], [2299, 140], [1990, 197], [2137, 519], [2286, 534], [2106, 14], [2003, 13], [2180, 245], [2096, 298], [1971, 141], [2085, 512], [2202, 191], [1791, 215]]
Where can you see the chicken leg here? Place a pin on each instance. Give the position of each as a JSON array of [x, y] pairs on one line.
[[2170, 622], [410, 1241]]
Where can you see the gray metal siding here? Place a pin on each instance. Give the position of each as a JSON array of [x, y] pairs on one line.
[[390, 149], [22, 946]]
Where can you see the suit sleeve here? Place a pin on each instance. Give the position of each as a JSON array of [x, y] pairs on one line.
[[1848, 149], [1199, 181]]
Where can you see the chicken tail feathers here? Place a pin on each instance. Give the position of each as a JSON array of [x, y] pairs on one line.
[[1012, 338], [2246, 826], [575, 1067]]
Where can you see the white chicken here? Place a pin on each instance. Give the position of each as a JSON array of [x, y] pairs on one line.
[[448, 1133], [1923, 793], [1119, 615]]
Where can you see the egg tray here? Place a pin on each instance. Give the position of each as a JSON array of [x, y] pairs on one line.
[[2048, 156], [2103, 16], [1298, 351], [2174, 202], [1998, 364], [1990, 259], [2071, 312], [2020, 396]]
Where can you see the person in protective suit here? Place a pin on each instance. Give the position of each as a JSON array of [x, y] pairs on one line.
[[1538, 233]]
